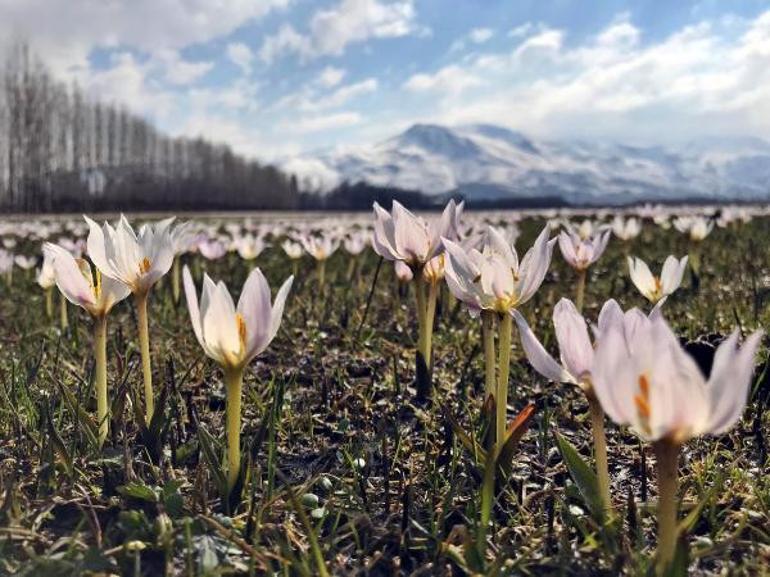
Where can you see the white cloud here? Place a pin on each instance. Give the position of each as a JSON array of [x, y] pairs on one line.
[[181, 72], [126, 81], [286, 41], [521, 30], [64, 33], [330, 76], [344, 94], [351, 21], [475, 36], [240, 55], [480, 35], [323, 122], [450, 79], [701, 79]]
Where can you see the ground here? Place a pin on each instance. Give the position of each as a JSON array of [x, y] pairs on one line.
[[339, 453]]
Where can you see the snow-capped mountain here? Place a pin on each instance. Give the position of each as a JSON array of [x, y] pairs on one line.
[[491, 162]]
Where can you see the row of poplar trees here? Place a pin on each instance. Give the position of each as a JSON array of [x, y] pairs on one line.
[[63, 151]]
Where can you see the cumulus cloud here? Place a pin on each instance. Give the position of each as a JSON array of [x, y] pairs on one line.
[[330, 76], [700, 79], [451, 79], [331, 30], [240, 55], [181, 72], [475, 36], [64, 33], [323, 122]]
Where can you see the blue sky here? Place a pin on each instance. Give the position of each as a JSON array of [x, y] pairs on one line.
[[276, 78]]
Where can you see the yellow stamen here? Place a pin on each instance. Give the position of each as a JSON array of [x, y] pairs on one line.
[[145, 265]]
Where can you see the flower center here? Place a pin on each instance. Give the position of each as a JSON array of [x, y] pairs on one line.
[[241, 329], [145, 265], [642, 401]]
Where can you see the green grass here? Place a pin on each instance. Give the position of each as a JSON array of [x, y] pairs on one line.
[[343, 469]]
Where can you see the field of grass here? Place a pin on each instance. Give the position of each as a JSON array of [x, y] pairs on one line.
[[344, 472]]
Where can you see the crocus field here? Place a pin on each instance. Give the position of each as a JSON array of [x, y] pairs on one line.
[[384, 393]]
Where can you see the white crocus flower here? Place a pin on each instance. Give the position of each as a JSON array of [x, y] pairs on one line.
[[232, 336], [657, 289], [493, 278], [579, 252], [87, 288], [138, 261], [626, 229], [402, 235]]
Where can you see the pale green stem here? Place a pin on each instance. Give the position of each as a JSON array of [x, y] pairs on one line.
[[100, 356], [321, 273], [430, 317], [667, 457], [422, 313], [233, 387], [488, 335], [175, 280], [351, 268], [600, 448], [580, 290], [49, 302], [64, 320], [295, 267], [140, 300], [504, 362]]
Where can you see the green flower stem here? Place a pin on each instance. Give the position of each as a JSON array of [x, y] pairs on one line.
[[175, 280], [580, 290], [295, 267], [600, 449], [49, 302], [233, 388], [430, 317], [423, 388], [64, 320], [100, 356], [140, 299], [321, 273], [667, 457], [488, 335], [504, 365]]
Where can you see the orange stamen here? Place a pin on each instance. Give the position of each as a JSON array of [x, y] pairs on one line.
[[145, 265], [241, 329]]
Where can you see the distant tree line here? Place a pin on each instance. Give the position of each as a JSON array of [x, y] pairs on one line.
[[63, 151]]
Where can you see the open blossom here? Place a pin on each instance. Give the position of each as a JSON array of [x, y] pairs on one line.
[[137, 260], [320, 247], [576, 352], [211, 248], [24, 262], [493, 278], [292, 249], [83, 286], [400, 235], [231, 335], [355, 243], [644, 378], [249, 246], [581, 253], [656, 289], [626, 229], [696, 227]]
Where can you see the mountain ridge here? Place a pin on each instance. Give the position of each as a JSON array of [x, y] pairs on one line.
[[487, 162]]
